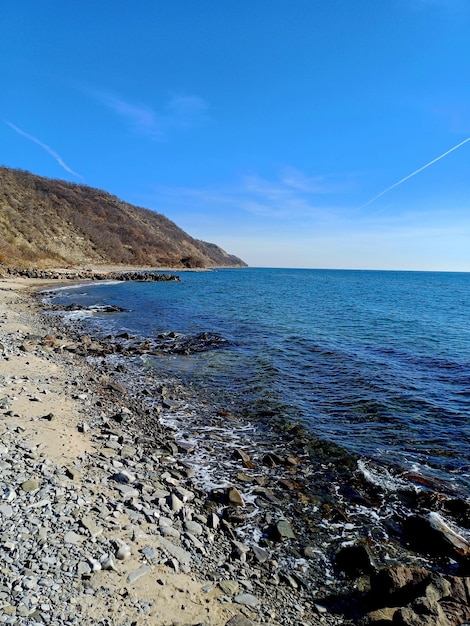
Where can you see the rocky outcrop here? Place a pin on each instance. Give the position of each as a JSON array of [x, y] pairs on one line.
[[140, 276], [418, 597]]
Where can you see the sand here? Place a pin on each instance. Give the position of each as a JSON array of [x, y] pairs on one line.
[[36, 386]]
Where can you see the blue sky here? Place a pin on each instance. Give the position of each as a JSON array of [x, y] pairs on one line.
[[264, 127]]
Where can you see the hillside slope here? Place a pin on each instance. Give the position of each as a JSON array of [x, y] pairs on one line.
[[46, 222]]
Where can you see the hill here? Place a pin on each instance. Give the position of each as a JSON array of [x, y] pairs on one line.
[[45, 222]]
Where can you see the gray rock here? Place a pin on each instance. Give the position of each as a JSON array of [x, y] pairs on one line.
[[175, 503], [229, 587], [183, 557], [283, 530], [83, 568], [127, 491], [239, 620], [193, 527], [143, 570], [124, 477], [261, 555], [123, 552], [91, 526], [72, 537], [6, 510], [247, 599]]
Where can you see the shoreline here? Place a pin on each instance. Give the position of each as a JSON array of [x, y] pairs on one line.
[[250, 530], [79, 420]]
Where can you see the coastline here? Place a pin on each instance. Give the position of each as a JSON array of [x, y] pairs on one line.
[[215, 511], [74, 452]]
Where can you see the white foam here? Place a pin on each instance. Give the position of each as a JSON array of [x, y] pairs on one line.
[[381, 477]]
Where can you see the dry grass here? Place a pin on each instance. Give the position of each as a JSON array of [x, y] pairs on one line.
[[47, 222]]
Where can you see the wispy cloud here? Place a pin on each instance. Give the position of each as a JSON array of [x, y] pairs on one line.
[[287, 198], [292, 194], [179, 112], [45, 147]]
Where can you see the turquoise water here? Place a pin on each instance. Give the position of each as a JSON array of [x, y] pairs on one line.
[[378, 362]]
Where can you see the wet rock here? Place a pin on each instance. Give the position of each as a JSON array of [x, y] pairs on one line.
[[272, 459], [355, 560], [234, 497], [431, 534], [397, 586], [241, 454], [282, 530]]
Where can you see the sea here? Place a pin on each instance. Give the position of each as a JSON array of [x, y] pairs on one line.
[[376, 362]]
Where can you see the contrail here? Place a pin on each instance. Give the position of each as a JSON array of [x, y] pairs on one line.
[[414, 173], [45, 147]]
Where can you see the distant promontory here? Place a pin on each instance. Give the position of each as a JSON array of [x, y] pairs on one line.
[[49, 223]]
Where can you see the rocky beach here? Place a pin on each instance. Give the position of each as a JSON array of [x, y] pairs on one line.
[[129, 501]]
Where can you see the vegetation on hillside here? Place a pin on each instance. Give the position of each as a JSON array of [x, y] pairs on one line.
[[47, 222]]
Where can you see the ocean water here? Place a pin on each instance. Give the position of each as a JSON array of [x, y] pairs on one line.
[[377, 362]]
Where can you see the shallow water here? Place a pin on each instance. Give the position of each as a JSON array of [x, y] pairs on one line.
[[377, 362]]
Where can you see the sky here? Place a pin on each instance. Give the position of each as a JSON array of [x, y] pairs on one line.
[[292, 133]]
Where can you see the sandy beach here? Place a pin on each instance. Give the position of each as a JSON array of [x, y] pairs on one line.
[[55, 474]]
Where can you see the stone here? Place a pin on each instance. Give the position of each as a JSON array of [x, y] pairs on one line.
[[128, 452], [93, 528], [143, 570], [30, 485], [73, 473], [193, 527], [398, 585], [239, 620], [83, 568], [148, 552], [241, 454], [247, 599], [381, 616], [123, 552], [422, 613], [229, 587], [72, 537], [235, 497], [354, 560], [175, 503], [124, 477], [283, 530], [183, 557], [6, 510], [107, 563], [261, 555], [127, 491]]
